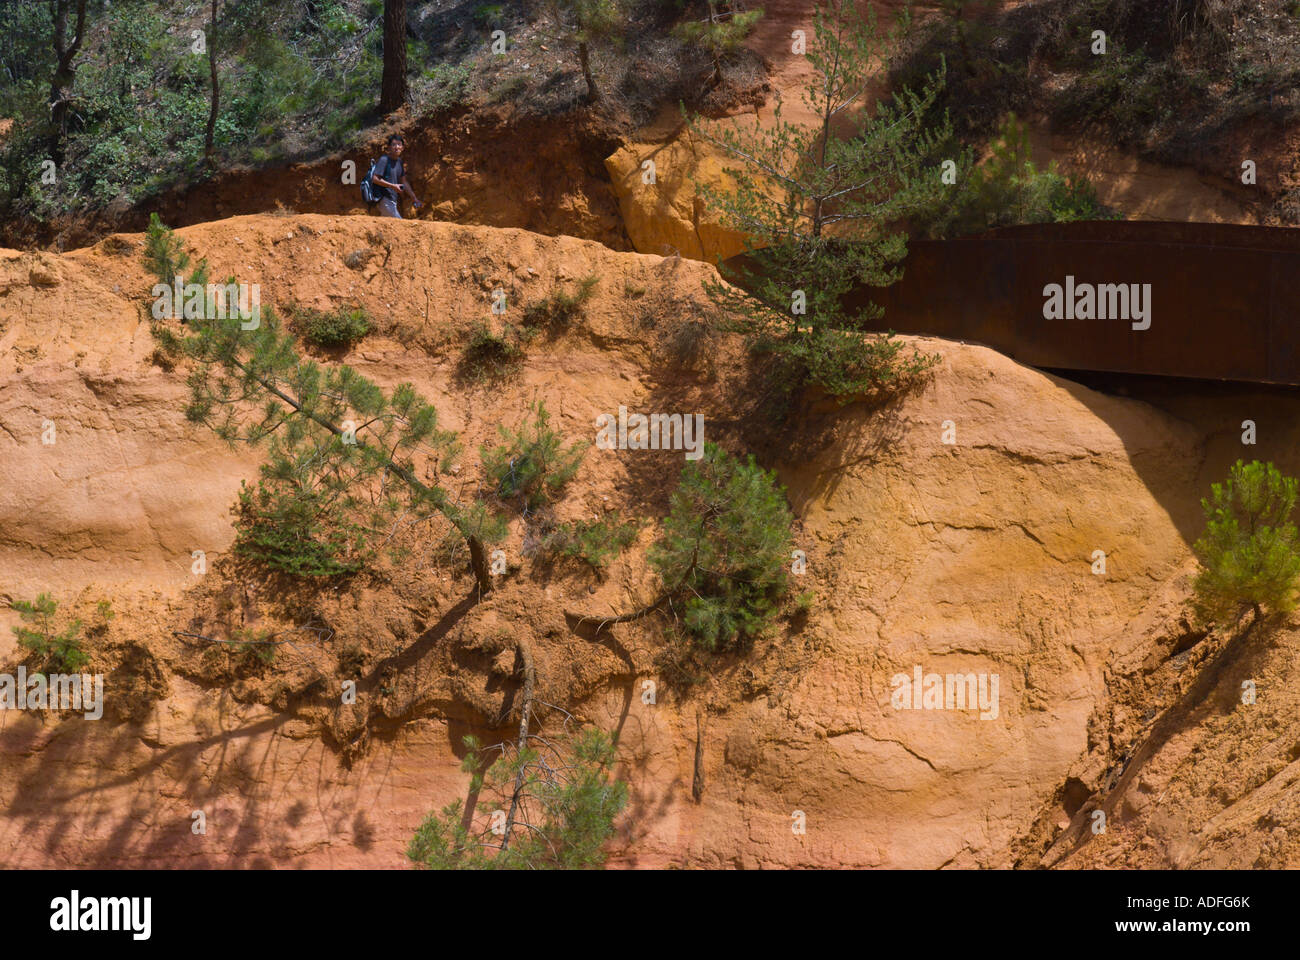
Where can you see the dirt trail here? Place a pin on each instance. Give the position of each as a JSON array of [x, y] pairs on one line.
[[490, 166]]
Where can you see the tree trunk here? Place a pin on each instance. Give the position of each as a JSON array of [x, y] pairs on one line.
[[478, 562], [64, 73], [602, 622], [526, 659], [216, 88], [585, 59], [393, 92], [964, 45]]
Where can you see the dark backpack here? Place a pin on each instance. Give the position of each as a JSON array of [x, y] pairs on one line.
[[369, 192]]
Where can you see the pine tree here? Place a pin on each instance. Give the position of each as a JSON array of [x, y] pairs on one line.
[[60, 649], [724, 547], [548, 806], [334, 439], [584, 24], [721, 555], [166, 257], [720, 32], [1249, 553], [533, 464], [818, 207]]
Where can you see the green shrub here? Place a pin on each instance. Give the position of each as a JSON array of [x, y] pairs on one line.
[[488, 356], [292, 530], [557, 311], [104, 615], [803, 602], [724, 546], [1008, 189], [443, 86], [255, 647], [510, 88], [59, 651], [335, 328], [1249, 552], [488, 14], [594, 542], [533, 464]]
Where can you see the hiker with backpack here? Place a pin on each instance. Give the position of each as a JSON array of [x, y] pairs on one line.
[[386, 180]]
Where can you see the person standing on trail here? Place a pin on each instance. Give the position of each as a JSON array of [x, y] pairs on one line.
[[390, 180]]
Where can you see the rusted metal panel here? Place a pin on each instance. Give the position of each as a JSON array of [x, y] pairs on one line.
[[1284, 326], [1224, 300]]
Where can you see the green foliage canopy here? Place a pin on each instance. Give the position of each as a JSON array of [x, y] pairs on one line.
[[1249, 552]]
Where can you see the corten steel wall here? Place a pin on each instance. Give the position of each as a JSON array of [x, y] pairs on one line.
[[1225, 300]]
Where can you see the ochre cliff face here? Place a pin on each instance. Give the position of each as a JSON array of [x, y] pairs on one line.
[[974, 556], [659, 204]]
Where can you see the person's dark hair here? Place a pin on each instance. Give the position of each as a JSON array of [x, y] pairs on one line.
[[395, 138]]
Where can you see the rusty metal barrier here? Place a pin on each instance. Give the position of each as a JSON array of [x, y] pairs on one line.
[[1224, 300]]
